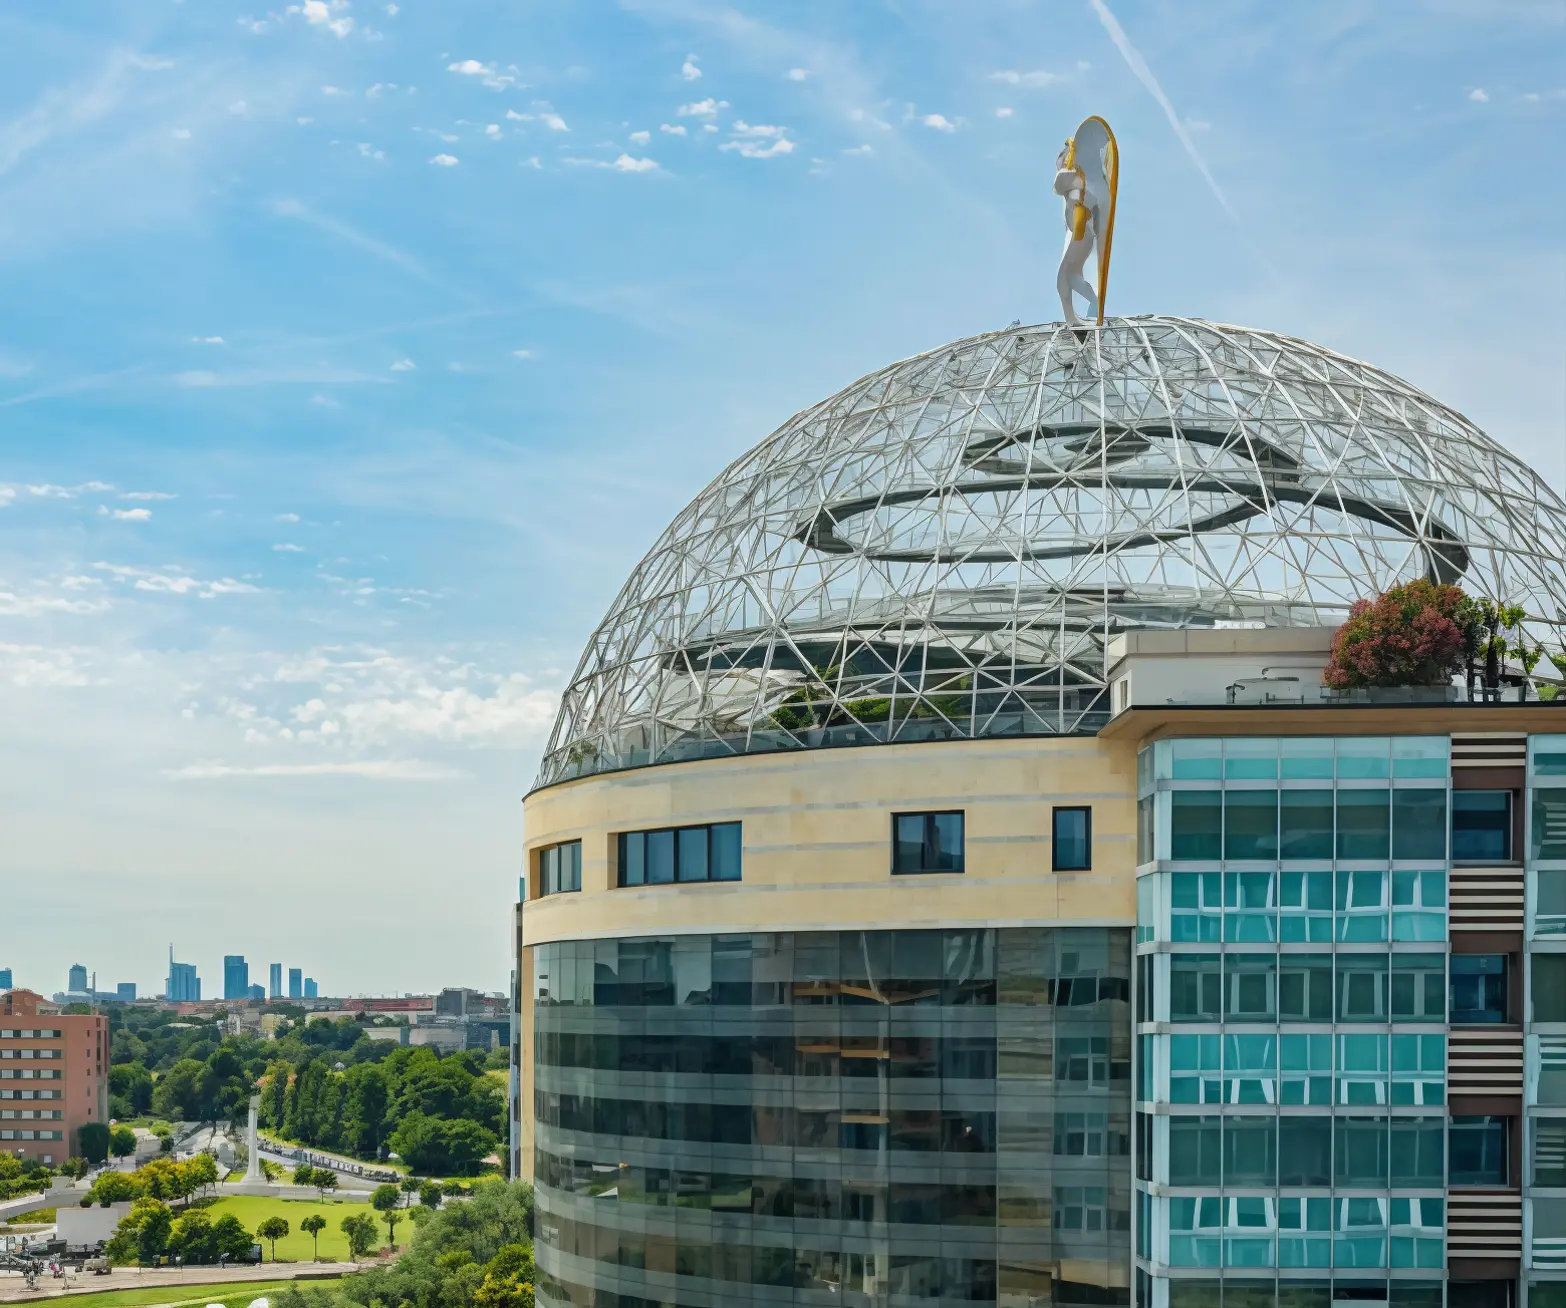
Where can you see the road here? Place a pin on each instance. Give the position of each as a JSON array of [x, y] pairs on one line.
[[14, 1289]]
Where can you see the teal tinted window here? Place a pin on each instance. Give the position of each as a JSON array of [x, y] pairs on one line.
[[1418, 987], [1196, 825], [1418, 1152], [1362, 906], [1196, 760], [1364, 824], [1195, 1069], [1549, 824], [1305, 988], [1250, 824], [1305, 758], [1361, 1151], [1250, 987], [1247, 758], [1250, 907], [1305, 824], [1195, 987], [1419, 824], [1305, 904], [1195, 1151], [1305, 1063], [1362, 987], [1364, 757], [1196, 907], [1421, 756], [1250, 1151], [1419, 905]]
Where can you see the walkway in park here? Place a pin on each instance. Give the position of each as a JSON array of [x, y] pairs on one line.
[[186, 1283]]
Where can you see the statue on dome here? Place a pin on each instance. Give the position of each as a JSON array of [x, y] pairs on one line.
[[1087, 175]]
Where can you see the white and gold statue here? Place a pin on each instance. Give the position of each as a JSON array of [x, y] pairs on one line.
[[1087, 174]]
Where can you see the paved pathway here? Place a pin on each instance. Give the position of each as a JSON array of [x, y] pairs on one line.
[[184, 1284]]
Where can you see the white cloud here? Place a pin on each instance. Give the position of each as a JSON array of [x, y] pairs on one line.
[[762, 130], [1004, 111], [672, 131], [175, 583], [702, 108], [1198, 125], [284, 547], [180, 133], [392, 11], [445, 160], [238, 107], [488, 74], [321, 13], [304, 122], [374, 92], [1037, 77], [756, 150], [797, 74], [532, 162], [626, 164], [325, 402], [553, 121], [403, 365], [381, 770], [859, 150], [639, 138], [523, 354], [125, 515], [49, 491], [493, 131], [368, 151], [149, 495], [939, 122], [27, 606], [288, 517], [1479, 95], [206, 340], [688, 69], [333, 90], [709, 127]]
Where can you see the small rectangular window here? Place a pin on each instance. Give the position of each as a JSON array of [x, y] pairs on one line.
[[1071, 839], [560, 868], [927, 842], [680, 854], [1481, 826], [1478, 989]]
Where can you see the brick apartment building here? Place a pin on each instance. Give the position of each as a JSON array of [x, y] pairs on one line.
[[54, 1076]]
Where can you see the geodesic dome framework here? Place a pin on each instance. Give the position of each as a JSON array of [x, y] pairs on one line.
[[942, 549]]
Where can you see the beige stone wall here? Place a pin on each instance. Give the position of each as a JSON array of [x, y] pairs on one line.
[[817, 839]]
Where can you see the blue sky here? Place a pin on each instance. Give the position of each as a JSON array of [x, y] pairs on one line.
[[353, 353]]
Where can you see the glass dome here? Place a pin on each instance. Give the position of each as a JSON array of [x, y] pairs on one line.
[[942, 549]]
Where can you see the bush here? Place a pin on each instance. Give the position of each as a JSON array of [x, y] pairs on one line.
[[92, 1138], [1416, 634]]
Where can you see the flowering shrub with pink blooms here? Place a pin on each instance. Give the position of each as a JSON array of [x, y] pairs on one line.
[[1416, 634]]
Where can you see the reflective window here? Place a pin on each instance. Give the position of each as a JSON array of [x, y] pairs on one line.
[[1305, 824], [1250, 824], [560, 868], [927, 842], [1549, 1151], [1481, 826], [1549, 987], [1549, 824], [705, 853], [1478, 1151], [1478, 989], [1419, 824], [1071, 840], [1364, 824], [1196, 825]]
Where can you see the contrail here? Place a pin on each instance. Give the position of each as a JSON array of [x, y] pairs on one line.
[[1144, 74]]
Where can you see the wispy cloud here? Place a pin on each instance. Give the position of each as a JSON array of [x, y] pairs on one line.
[[170, 582], [707, 108], [758, 141], [940, 122], [298, 211], [688, 69], [445, 160], [328, 14], [1479, 95]]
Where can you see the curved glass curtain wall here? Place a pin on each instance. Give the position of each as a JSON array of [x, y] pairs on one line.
[[1292, 986], [857, 1118]]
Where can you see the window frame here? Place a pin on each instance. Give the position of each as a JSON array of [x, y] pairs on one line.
[[1054, 837], [573, 868], [926, 845], [677, 837]]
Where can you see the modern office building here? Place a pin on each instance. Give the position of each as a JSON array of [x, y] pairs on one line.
[[183, 986], [274, 988], [948, 881], [77, 984], [295, 983], [5, 978], [53, 1076], [311, 990], [125, 992], [236, 977]]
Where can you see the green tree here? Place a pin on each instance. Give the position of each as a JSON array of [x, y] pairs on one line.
[[130, 1089], [364, 1110], [420, 1142], [143, 1233], [122, 1141], [273, 1229], [200, 1172], [324, 1181], [508, 1279], [92, 1139], [178, 1092], [312, 1226], [410, 1187], [384, 1199], [467, 1146], [361, 1232], [230, 1238], [304, 1174], [429, 1194]]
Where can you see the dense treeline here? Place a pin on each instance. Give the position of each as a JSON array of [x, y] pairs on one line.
[[323, 1083]]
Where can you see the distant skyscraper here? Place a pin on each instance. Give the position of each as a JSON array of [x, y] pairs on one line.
[[236, 977], [294, 987], [310, 991], [256, 992], [184, 986], [78, 982], [5, 978], [274, 988], [125, 992]]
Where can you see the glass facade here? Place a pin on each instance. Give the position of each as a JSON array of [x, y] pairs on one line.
[[1545, 1094], [1292, 1021], [858, 1118]]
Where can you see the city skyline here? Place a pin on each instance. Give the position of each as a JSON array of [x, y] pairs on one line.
[[358, 356]]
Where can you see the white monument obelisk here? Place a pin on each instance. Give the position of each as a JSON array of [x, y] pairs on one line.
[[253, 1166]]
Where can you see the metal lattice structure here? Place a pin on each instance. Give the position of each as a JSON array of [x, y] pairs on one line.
[[942, 549]]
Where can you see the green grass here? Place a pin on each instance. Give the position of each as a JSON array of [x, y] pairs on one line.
[[38, 1217], [297, 1246], [231, 1294]]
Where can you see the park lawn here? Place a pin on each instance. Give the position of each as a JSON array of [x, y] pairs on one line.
[[231, 1294], [38, 1217], [297, 1245]]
